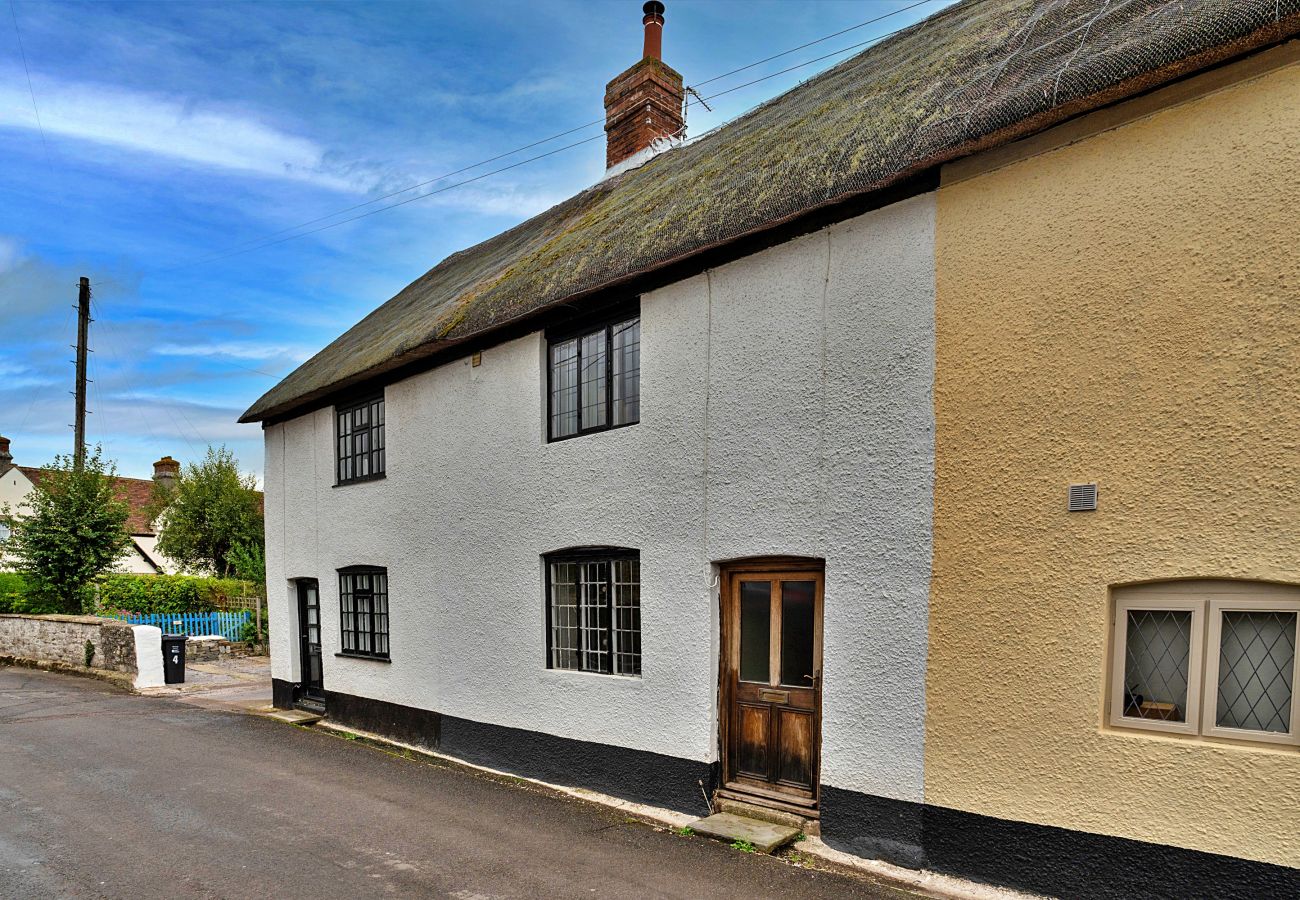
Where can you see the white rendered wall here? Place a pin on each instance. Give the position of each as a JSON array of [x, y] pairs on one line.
[[786, 409], [148, 656]]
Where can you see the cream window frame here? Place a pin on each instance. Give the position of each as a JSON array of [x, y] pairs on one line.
[[1140, 601], [1214, 651]]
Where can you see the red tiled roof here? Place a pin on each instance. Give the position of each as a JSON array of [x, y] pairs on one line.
[[137, 492]]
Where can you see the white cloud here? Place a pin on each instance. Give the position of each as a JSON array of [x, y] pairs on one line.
[[8, 253], [504, 200], [172, 127], [236, 350], [16, 376]]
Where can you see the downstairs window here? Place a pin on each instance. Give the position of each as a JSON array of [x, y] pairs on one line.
[[1208, 658], [363, 611], [594, 611]]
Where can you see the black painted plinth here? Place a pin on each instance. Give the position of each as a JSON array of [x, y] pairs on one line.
[[635, 775], [1041, 859]]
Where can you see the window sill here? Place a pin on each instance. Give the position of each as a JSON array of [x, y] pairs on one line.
[[1214, 741], [603, 676], [379, 477], [366, 656], [603, 429]]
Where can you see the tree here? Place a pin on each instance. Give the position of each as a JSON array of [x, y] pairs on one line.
[[248, 561], [76, 529], [211, 510]]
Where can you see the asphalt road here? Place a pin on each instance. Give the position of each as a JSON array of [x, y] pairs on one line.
[[104, 794]]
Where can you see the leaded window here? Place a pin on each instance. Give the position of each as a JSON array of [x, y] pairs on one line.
[[363, 611], [594, 611], [360, 440], [1208, 658], [595, 378]]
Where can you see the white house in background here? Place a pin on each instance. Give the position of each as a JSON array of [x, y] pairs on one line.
[[142, 556]]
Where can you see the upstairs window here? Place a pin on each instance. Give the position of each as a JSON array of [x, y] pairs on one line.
[[594, 611], [595, 377], [360, 440], [363, 611], [1208, 658]]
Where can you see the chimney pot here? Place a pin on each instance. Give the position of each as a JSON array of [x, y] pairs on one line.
[[6, 460], [653, 20]]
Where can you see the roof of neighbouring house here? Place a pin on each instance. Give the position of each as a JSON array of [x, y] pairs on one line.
[[974, 75], [137, 492]]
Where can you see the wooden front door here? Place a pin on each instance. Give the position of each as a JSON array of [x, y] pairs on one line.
[[313, 684], [772, 683]]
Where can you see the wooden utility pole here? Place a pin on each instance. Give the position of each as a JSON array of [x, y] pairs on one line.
[[83, 334]]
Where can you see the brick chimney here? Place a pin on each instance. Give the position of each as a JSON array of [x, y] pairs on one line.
[[166, 471], [645, 102], [6, 459]]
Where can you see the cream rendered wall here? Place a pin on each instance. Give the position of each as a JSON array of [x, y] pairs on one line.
[[1123, 309], [786, 409]]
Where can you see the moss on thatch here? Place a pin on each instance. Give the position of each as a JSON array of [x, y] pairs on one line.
[[915, 100]]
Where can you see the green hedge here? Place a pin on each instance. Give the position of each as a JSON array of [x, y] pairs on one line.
[[166, 593], [14, 597], [11, 584], [133, 593]]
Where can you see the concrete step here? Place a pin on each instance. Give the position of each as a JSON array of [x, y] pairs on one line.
[[293, 716], [729, 827]]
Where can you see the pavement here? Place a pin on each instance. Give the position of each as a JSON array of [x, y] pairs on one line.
[[239, 684], [108, 794]]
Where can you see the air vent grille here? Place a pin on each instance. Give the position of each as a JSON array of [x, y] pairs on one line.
[[1083, 497]]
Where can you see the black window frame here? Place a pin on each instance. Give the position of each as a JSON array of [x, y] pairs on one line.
[[579, 329], [374, 632], [377, 430], [583, 555]]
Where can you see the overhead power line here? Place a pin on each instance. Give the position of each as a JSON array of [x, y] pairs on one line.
[[372, 212], [812, 43], [293, 232], [22, 51]]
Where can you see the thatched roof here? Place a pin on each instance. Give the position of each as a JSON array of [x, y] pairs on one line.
[[974, 75]]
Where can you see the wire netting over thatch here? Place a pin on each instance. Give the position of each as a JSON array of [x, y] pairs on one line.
[[964, 78]]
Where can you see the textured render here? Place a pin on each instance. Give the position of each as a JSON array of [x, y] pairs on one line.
[[786, 409], [148, 656], [1121, 310]]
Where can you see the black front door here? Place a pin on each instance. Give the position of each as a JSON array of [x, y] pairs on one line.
[[313, 687]]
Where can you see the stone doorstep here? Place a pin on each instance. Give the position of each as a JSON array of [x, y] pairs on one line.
[[292, 716], [764, 836], [806, 824]]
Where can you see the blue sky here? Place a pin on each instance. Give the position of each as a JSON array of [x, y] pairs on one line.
[[175, 132]]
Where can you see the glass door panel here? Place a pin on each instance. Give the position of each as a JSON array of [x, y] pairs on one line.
[[798, 609], [755, 630]]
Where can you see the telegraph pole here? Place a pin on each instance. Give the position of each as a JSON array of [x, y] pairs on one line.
[[83, 334]]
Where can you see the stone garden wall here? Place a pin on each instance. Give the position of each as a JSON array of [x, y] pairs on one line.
[[61, 640]]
